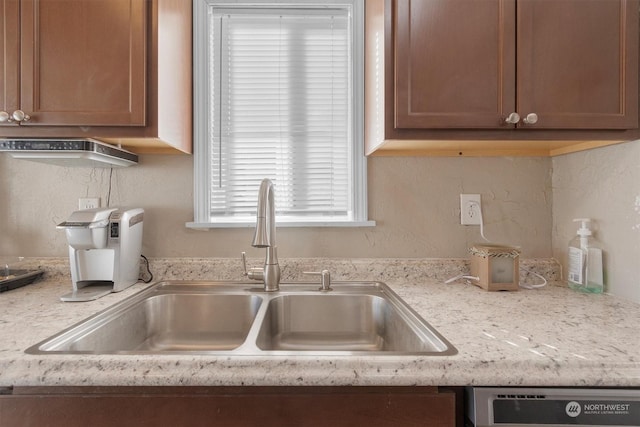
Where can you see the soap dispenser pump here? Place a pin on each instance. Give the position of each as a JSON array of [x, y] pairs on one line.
[[585, 260]]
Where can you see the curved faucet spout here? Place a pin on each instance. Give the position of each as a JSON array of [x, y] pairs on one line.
[[265, 234], [265, 237]]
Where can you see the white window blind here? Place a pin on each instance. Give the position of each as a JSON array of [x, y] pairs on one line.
[[280, 97], [280, 103]]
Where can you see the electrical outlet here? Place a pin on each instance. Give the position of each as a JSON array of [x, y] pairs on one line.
[[88, 203], [470, 209]]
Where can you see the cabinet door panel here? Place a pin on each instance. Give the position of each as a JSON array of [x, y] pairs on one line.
[[9, 54], [454, 63], [241, 408], [83, 62], [578, 63]]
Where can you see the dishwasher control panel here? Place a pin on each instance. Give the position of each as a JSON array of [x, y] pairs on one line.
[[507, 407]]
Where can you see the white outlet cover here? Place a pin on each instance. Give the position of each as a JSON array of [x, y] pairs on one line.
[[470, 205], [88, 203]]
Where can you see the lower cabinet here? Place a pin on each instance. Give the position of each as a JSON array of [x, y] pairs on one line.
[[231, 406]]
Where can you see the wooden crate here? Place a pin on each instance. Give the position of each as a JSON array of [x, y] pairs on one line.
[[495, 266]]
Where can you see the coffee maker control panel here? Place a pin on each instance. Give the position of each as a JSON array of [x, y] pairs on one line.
[[114, 225], [114, 230]]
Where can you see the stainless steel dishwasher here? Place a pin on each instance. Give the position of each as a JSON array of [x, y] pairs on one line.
[[549, 407]]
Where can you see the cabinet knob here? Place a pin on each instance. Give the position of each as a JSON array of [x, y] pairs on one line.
[[512, 118], [531, 119], [20, 116], [4, 116]]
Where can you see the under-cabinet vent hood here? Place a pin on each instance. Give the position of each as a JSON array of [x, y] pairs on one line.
[[84, 152]]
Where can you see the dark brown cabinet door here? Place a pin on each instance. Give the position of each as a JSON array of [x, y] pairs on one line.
[[234, 407], [578, 63], [9, 58], [81, 63], [558, 64], [455, 63]]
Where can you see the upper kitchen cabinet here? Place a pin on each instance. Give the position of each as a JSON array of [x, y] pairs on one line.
[[454, 63], [500, 77], [577, 63], [115, 70], [78, 63]]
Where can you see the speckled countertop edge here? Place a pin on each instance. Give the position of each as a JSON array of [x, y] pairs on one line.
[[547, 337]]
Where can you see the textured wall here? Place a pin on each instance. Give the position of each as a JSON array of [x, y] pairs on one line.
[[604, 185], [415, 202]]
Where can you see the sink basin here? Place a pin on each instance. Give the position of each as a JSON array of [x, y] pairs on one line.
[[335, 322], [198, 322], [236, 318], [164, 322]]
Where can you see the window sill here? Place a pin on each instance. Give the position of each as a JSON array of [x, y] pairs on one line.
[[208, 225]]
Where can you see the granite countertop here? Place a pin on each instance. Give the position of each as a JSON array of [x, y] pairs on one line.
[[551, 336]]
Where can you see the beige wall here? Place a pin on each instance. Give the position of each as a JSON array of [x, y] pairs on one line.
[[415, 202], [604, 185]]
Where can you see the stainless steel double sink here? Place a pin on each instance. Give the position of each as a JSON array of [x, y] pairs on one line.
[[236, 318]]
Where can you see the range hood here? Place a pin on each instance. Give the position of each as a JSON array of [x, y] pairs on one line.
[[85, 152]]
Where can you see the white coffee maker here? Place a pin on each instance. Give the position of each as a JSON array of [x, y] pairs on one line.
[[104, 251]]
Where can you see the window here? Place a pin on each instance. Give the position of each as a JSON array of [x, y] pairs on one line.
[[278, 94]]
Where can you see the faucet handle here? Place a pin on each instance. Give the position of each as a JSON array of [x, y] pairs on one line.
[[252, 273], [325, 278]]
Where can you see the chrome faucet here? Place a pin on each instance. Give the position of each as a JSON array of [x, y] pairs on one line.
[[265, 237]]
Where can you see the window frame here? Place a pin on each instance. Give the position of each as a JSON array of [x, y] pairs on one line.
[[201, 90]]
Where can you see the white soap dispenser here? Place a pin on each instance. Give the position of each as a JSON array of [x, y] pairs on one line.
[[585, 261]]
